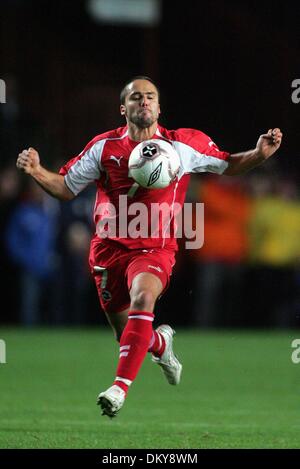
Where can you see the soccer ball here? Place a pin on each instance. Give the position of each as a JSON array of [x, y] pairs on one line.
[[154, 164]]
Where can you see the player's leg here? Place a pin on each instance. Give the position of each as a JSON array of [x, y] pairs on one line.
[[143, 298], [147, 278], [117, 321], [160, 263], [135, 339]]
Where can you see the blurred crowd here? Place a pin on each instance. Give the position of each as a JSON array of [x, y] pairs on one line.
[[44, 254], [246, 274]]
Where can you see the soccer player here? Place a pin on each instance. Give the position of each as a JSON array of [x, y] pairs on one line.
[[131, 273]]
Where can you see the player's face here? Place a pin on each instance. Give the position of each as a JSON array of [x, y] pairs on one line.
[[141, 104]]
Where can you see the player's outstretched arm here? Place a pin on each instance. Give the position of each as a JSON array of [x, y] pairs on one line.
[[29, 162], [266, 146]]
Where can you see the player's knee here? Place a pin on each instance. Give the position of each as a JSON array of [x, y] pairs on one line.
[[143, 300]]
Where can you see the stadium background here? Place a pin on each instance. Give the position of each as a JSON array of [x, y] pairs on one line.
[[225, 67]]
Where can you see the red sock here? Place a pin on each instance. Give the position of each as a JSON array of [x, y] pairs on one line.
[[134, 346], [157, 344]]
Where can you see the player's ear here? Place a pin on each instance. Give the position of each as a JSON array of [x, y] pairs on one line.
[[122, 110]]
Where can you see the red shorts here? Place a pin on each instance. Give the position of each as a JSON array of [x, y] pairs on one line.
[[114, 269]]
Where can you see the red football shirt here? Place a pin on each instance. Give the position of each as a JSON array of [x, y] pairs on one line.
[[118, 200]]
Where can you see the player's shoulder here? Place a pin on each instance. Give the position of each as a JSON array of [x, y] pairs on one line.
[[113, 134], [184, 135], [187, 141], [95, 146]]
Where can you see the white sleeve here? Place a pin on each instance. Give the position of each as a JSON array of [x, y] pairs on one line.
[[192, 161], [86, 170]]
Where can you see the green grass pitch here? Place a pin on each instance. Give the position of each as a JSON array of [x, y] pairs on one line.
[[239, 390]]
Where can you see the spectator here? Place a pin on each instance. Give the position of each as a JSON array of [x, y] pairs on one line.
[[30, 241]]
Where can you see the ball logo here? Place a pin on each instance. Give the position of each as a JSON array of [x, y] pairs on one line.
[[149, 151], [154, 176]]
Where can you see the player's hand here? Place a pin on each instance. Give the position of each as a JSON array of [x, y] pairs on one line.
[[28, 161], [268, 143]]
